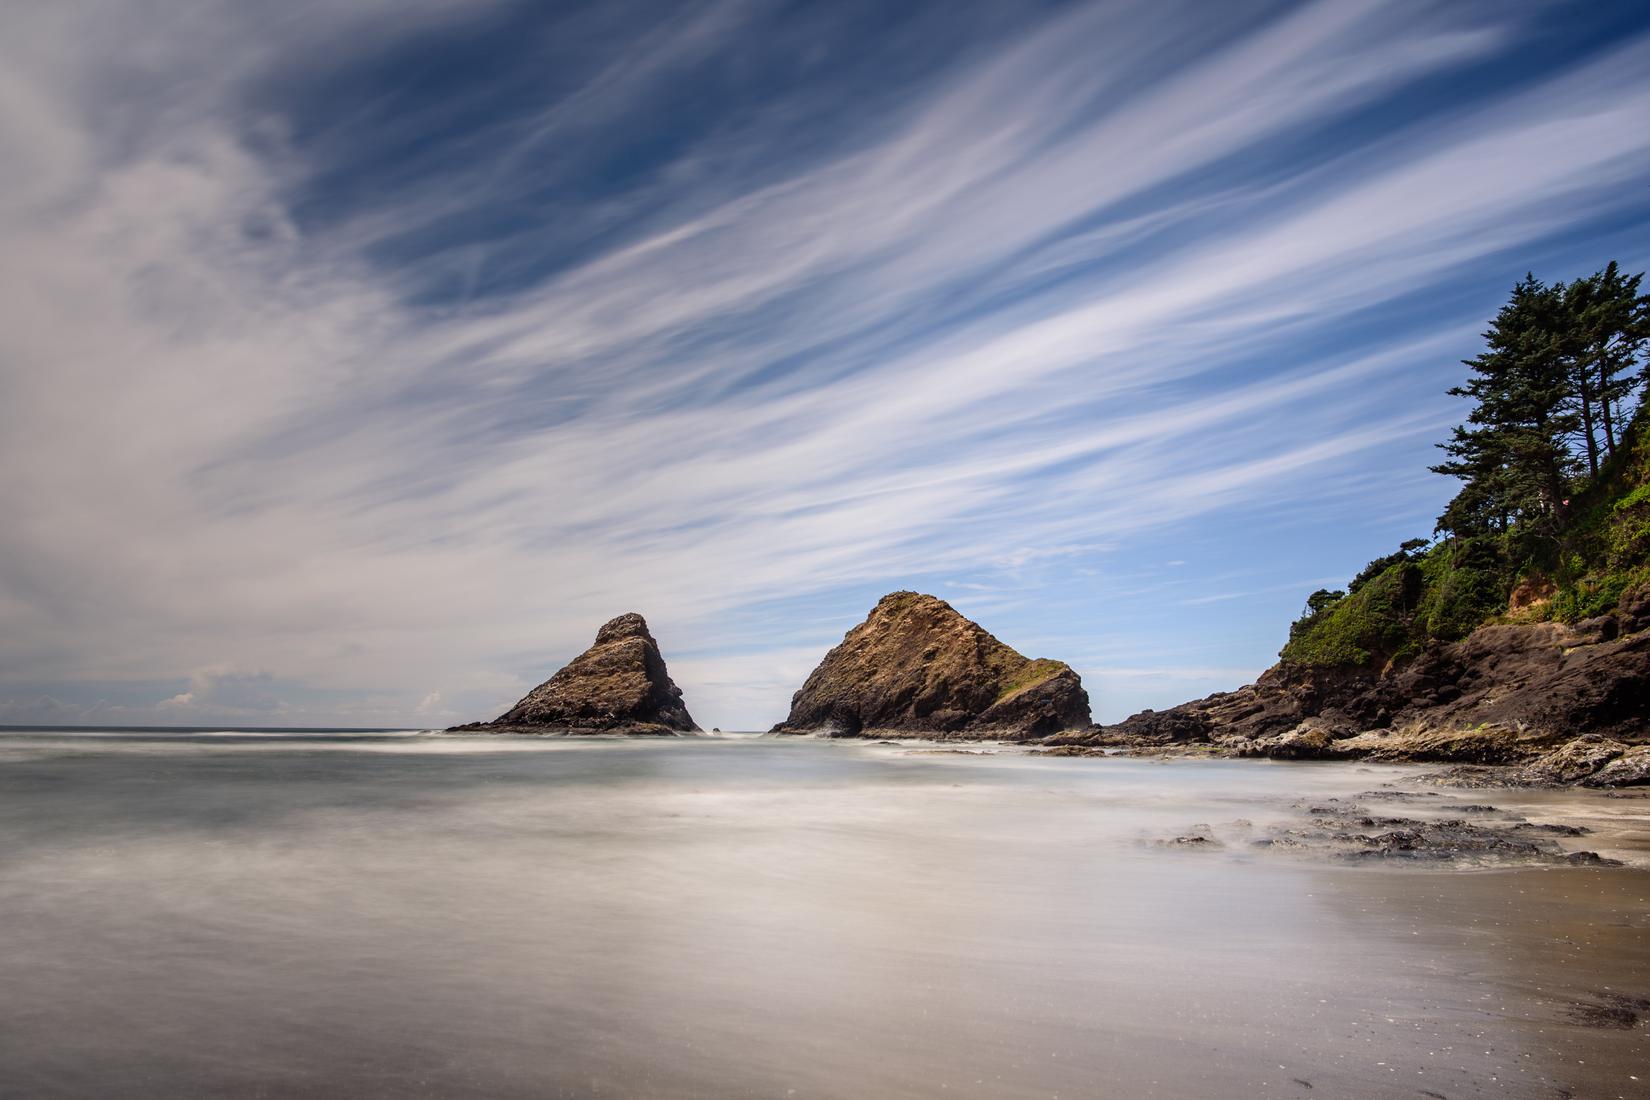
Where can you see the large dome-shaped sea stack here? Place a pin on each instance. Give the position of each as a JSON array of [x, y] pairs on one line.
[[916, 667]]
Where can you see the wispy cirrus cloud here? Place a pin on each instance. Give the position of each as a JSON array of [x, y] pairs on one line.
[[398, 391]]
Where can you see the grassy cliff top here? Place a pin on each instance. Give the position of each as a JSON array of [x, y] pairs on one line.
[[1443, 591]]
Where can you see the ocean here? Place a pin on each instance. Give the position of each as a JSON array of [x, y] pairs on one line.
[[392, 914]]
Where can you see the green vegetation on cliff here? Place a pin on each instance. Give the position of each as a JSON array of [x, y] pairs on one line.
[[1032, 673], [1439, 593], [1553, 518]]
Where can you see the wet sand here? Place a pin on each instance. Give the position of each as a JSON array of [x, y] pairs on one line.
[[394, 916]]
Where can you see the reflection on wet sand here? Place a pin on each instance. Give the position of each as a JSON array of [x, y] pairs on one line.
[[1517, 967]]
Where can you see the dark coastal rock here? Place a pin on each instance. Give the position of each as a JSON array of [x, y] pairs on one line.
[[1199, 838], [617, 686], [1348, 832], [1284, 697], [1344, 829], [1551, 681], [917, 668], [1508, 694]]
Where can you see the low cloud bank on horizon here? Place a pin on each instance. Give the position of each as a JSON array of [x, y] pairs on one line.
[[359, 360]]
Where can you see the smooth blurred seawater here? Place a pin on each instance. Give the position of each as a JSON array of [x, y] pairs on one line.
[[193, 913]]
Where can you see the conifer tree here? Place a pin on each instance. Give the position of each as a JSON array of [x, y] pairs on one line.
[[1612, 325], [1552, 392], [1514, 444]]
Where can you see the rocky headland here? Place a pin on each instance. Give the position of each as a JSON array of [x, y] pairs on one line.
[[618, 686], [1515, 646], [1551, 703], [917, 668]]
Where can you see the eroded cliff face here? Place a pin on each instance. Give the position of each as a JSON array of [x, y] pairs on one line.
[[1506, 694], [917, 668], [619, 685]]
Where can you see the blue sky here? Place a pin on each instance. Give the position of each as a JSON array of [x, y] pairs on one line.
[[359, 360]]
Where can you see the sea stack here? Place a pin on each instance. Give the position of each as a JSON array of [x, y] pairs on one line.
[[617, 686], [917, 668]]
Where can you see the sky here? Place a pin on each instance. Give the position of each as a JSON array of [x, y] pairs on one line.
[[358, 360]]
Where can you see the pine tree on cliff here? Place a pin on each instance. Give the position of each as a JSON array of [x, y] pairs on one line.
[[1611, 320], [1586, 397], [1514, 448], [1553, 391]]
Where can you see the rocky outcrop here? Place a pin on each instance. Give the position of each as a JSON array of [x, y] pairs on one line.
[[617, 686], [917, 668], [1572, 761], [1506, 694], [1307, 741], [1630, 769]]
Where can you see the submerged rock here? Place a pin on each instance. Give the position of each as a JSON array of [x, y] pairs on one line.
[[1349, 832], [917, 668], [617, 686]]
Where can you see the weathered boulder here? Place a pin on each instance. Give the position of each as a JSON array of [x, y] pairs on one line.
[[1307, 741], [1572, 761], [1630, 769], [917, 668], [617, 686], [1418, 740]]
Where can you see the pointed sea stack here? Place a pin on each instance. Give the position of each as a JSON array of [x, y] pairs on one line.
[[617, 686], [917, 668]]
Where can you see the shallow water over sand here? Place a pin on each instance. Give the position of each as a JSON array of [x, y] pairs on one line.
[[384, 916]]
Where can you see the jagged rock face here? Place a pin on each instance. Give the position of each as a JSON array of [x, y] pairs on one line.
[[917, 668], [1506, 694], [618, 685]]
